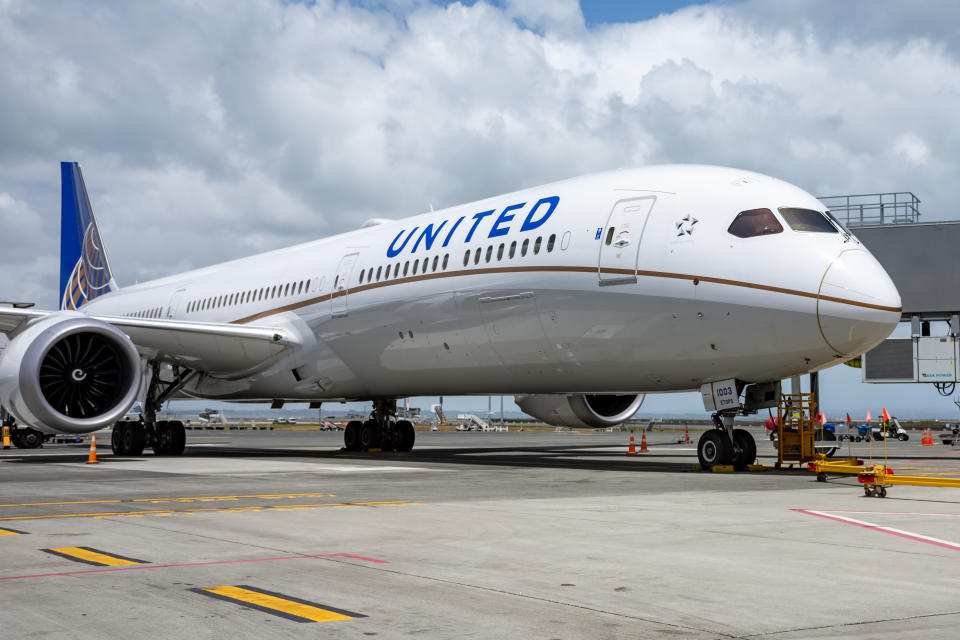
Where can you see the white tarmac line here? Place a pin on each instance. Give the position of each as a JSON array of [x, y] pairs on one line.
[[890, 530]]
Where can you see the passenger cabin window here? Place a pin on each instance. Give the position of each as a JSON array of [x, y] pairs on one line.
[[807, 220], [755, 222], [551, 241]]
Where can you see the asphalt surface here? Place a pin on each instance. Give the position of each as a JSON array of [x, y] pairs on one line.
[[471, 535]]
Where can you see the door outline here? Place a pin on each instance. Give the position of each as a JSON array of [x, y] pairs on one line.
[[634, 236], [175, 301], [341, 285]]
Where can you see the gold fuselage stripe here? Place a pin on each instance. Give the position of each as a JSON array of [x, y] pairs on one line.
[[567, 269]]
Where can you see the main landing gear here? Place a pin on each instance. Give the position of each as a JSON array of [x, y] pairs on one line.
[[165, 437], [381, 432], [724, 445]]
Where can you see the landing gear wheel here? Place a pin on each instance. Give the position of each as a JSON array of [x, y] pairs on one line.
[[162, 438], [406, 436], [713, 449], [176, 438], [30, 439], [351, 435], [369, 435], [117, 438], [134, 439], [388, 437], [744, 449]]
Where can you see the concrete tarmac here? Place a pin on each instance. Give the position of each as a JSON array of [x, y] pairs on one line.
[[471, 535]]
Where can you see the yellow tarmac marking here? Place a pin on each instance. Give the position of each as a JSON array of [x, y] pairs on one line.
[[167, 512], [10, 532], [93, 556], [265, 496], [278, 604]]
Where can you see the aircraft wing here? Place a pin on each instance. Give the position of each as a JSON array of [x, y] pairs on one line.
[[220, 349]]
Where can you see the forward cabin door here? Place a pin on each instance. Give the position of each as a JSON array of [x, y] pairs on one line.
[[341, 285], [175, 301], [620, 240]]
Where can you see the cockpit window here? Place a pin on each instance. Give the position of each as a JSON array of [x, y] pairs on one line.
[[755, 222], [837, 222], [807, 220]]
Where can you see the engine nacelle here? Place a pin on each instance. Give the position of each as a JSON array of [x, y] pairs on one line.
[[581, 410], [68, 373]]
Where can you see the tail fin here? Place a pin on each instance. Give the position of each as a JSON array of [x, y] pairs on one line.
[[84, 269]]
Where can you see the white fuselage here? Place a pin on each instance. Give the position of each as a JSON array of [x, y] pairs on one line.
[[531, 298]]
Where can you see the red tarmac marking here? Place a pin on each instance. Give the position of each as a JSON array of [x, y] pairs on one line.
[[890, 530], [194, 564], [939, 455]]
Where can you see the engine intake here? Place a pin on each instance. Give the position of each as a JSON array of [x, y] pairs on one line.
[[581, 410], [69, 373]]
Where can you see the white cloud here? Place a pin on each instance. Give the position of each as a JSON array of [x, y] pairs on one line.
[[209, 131]]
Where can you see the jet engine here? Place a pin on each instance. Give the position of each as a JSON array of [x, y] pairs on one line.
[[581, 410], [68, 373]]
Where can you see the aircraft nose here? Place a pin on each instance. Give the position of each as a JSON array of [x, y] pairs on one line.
[[857, 305]]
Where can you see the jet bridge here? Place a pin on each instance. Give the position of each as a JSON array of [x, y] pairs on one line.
[[923, 260]]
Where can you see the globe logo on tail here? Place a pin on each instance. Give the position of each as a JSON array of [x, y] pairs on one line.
[[90, 277]]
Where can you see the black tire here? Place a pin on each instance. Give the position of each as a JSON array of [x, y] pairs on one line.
[[903, 437], [826, 450], [178, 438], [406, 436], [713, 449], [883, 492], [15, 438], [161, 440], [351, 435], [369, 435], [744, 449], [134, 439], [117, 439], [388, 437], [30, 439]]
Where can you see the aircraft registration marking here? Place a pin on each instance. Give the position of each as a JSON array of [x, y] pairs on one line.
[[278, 604]]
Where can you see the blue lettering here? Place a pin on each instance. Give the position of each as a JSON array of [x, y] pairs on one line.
[[478, 217], [530, 223], [503, 219], [391, 252], [430, 237], [452, 229]]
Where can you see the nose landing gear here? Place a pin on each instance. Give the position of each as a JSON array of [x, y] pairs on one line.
[[724, 445], [382, 431]]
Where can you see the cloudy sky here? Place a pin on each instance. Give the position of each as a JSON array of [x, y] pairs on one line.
[[212, 130]]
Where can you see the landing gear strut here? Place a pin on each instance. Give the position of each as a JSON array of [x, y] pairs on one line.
[[724, 445], [166, 437], [381, 432]]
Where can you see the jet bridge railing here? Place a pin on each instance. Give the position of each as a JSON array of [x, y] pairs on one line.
[[868, 209]]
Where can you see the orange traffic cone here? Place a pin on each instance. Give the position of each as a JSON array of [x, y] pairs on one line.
[[927, 438], [687, 437], [643, 442], [93, 450], [632, 451]]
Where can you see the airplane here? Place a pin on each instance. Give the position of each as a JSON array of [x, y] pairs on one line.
[[578, 297]]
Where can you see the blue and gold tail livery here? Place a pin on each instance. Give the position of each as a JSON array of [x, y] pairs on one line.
[[84, 270]]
